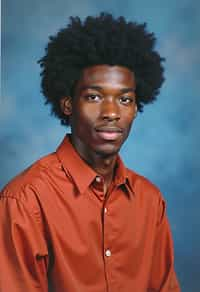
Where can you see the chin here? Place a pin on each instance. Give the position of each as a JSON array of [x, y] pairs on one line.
[[107, 150]]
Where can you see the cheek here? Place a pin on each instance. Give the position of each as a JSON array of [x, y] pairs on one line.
[[128, 118], [85, 117], [127, 122]]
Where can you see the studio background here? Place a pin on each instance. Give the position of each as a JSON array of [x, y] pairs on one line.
[[165, 140]]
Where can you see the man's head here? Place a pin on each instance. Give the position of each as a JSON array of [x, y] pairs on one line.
[[100, 40], [102, 110]]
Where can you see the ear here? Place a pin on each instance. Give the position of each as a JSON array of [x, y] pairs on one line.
[[136, 110], [66, 105]]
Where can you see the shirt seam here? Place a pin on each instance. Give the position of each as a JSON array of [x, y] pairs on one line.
[[31, 211]]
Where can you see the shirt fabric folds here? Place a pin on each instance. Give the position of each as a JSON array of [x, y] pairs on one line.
[[59, 233]]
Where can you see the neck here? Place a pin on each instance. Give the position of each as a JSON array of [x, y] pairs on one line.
[[104, 165]]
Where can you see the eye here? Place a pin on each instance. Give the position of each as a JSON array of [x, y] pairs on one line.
[[93, 97], [126, 99]]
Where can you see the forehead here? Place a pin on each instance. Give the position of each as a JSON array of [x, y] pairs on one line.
[[107, 75]]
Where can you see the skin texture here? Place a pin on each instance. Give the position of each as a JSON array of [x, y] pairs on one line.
[[101, 114]]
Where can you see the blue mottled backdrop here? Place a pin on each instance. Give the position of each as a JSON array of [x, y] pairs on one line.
[[165, 141]]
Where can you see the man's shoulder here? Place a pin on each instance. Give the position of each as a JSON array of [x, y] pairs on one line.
[[31, 177], [143, 185]]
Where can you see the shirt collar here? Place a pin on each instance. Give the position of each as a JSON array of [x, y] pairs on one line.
[[122, 177], [82, 174]]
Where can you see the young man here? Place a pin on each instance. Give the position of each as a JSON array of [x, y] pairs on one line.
[[78, 220]]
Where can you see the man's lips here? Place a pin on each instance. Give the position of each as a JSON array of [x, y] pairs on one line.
[[109, 133]]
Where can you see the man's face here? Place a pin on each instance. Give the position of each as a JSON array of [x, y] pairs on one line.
[[103, 110]]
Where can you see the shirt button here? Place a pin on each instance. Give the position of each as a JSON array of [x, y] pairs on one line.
[[105, 210], [98, 179], [108, 253]]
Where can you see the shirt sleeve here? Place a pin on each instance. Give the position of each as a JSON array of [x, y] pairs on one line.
[[23, 252], [163, 277]]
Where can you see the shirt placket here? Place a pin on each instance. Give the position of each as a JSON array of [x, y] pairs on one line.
[[107, 230], [107, 241]]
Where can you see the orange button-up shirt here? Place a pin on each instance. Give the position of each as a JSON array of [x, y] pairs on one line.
[[60, 233]]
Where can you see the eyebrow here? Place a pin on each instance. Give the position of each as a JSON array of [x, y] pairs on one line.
[[99, 88]]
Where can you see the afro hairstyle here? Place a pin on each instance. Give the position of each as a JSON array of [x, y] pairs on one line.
[[99, 40]]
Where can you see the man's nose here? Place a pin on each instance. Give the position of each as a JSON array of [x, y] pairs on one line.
[[110, 110]]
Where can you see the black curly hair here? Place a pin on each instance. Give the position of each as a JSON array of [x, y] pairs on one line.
[[94, 41]]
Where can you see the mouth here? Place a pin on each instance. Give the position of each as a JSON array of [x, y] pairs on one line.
[[109, 133]]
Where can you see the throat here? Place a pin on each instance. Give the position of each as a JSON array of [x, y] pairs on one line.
[[104, 165], [106, 169]]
